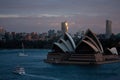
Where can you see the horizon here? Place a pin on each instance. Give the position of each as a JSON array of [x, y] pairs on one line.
[[43, 15]]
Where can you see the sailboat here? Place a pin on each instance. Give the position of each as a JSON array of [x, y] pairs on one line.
[[23, 51]]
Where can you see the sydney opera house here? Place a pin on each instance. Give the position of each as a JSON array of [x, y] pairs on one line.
[[88, 50]]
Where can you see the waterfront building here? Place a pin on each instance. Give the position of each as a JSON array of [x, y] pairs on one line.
[[28, 37], [88, 50]]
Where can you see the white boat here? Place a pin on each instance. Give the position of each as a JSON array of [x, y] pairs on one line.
[[19, 70], [23, 52]]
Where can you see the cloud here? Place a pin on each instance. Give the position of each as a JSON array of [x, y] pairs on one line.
[[8, 16], [42, 15], [31, 15], [55, 8]]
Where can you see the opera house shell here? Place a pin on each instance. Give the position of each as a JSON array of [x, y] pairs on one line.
[[65, 44], [89, 50]]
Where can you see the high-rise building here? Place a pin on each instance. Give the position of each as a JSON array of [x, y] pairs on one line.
[[108, 28], [64, 26]]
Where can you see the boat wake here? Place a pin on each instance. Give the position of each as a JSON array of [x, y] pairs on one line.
[[42, 77]]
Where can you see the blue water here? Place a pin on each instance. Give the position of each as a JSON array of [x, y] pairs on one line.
[[36, 69]]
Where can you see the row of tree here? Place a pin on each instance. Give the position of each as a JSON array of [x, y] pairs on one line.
[[39, 44], [15, 44]]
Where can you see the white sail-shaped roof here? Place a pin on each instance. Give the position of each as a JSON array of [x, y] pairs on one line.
[[88, 43], [90, 40], [113, 50], [71, 40], [61, 46], [70, 46], [93, 42], [90, 34], [91, 45], [66, 43]]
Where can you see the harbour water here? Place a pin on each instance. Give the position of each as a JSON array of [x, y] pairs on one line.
[[36, 69]]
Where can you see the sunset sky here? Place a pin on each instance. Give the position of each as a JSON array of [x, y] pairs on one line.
[[42, 15]]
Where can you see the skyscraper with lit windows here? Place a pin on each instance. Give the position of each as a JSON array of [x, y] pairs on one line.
[[64, 27]]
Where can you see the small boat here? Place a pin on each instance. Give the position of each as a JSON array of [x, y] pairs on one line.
[[19, 70], [22, 54]]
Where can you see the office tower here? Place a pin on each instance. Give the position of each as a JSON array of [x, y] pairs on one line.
[[64, 26], [108, 28]]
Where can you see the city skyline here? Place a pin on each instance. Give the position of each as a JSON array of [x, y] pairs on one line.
[[42, 15]]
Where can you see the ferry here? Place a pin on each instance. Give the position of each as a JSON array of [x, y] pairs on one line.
[[19, 70]]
